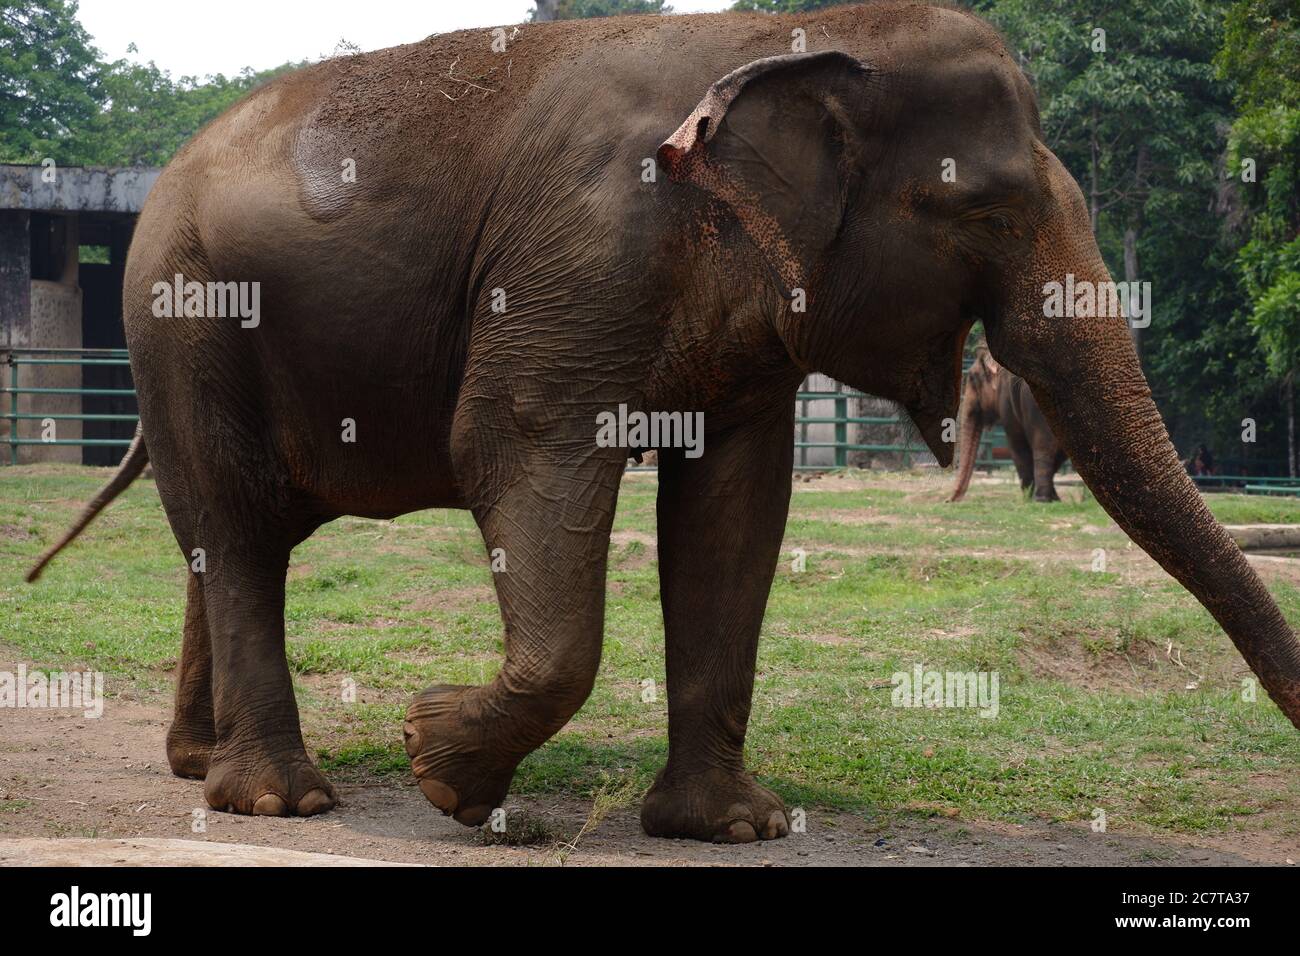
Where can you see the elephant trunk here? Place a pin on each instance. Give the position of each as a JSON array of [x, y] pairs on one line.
[[1085, 374], [968, 442], [1119, 446]]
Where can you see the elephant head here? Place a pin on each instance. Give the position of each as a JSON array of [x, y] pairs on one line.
[[902, 199], [979, 409]]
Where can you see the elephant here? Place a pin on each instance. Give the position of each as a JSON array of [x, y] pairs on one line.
[[992, 395], [470, 248]]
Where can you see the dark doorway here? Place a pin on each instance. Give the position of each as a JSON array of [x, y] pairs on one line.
[[101, 328]]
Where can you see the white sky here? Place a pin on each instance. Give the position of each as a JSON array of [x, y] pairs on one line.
[[202, 37]]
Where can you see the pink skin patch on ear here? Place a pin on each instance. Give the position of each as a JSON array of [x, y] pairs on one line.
[[684, 157]]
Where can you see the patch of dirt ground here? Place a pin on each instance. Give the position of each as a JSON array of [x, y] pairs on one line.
[[63, 775]]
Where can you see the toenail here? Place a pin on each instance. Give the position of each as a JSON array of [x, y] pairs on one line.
[[440, 795], [314, 801], [740, 831], [777, 826], [412, 737], [474, 816], [270, 805]]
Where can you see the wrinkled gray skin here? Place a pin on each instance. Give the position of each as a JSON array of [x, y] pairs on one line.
[[526, 171]]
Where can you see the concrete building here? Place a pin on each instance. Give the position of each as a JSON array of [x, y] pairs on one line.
[[64, 234]]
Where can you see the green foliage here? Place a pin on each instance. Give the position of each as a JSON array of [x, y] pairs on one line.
[[1143, 127], [1149, 97], [786, 6], [58, 99], [147, 115], [1260, 54], [1261, 50], [583, 9], [1271, 274], [49, 79]]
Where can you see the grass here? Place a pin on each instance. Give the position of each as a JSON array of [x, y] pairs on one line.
[[1118, 691]]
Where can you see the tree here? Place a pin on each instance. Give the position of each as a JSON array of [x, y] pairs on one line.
[[1139, 116], [583, 9], [785, 6], [147, 115], [58, 99], [49, 80], [1129, 102], [1260, 54]]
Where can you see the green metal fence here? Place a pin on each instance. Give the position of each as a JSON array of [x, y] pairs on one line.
[[841, 420], [1250, 484], [18, 359], [990, 440]]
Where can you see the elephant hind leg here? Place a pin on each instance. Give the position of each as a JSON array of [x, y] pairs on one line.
[[1045, 465], [259, 764], [193, 733], [236, 718]]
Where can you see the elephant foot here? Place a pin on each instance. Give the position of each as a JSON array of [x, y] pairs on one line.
[[188, 754], [456, 770], [263, 782], [721, 806]]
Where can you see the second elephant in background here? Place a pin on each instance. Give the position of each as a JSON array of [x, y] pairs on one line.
[[992, 395]]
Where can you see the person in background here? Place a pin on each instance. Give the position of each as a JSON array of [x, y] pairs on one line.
[[1201, 463]]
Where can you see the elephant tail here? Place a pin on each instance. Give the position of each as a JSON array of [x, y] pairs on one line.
[[968, 443], [137, 456]]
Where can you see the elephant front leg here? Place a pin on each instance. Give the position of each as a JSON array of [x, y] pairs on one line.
[[721, 520], [547, 533]]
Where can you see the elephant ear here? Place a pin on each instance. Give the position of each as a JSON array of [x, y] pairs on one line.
[[773, 140]]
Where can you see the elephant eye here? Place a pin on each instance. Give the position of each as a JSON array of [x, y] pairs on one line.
[[1001, 223]]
